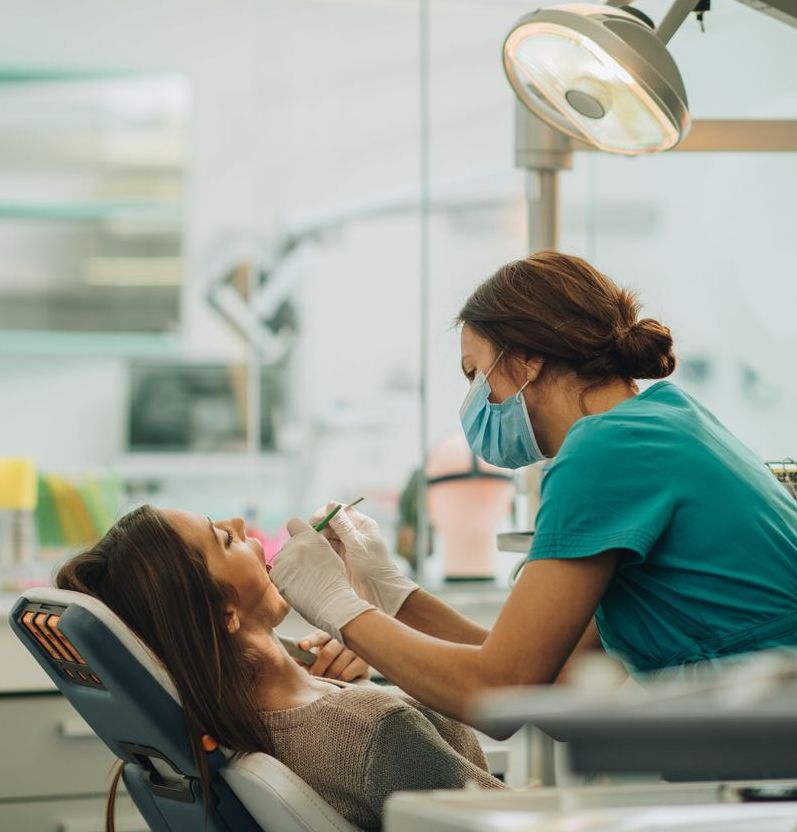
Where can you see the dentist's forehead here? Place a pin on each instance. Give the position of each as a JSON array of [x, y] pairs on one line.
[[475, 347]]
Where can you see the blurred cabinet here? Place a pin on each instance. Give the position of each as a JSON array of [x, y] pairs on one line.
[[55, 771]]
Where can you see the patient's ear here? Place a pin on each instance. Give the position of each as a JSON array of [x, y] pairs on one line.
[[231, 620]]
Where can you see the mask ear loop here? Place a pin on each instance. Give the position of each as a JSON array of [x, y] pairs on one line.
[[495, 363], [519, 395]]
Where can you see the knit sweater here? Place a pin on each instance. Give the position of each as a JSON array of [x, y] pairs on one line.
[[358, 744]]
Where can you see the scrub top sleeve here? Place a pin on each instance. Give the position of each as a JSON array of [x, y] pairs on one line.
[[604, 491]]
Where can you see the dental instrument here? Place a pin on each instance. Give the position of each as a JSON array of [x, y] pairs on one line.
[[296, 652], [322, 524]]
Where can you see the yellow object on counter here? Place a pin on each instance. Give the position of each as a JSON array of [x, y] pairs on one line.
[[76, 525], [18, 486], [75, 511]]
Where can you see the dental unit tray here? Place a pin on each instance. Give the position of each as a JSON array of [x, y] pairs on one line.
[[518, 542], [732, 723], [124, 693]]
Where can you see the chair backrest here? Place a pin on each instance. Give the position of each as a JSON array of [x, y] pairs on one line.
[[125, 694]]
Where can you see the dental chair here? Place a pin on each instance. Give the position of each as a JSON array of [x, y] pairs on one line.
[[124, 693]]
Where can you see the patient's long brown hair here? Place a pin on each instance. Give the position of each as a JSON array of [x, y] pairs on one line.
[[163, 590]]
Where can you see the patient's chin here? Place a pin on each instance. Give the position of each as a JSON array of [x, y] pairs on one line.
[[281, 608]]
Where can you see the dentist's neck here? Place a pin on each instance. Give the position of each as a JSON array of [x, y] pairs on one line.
[[567, 401]]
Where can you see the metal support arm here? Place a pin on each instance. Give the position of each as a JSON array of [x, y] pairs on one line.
[[676, 15]]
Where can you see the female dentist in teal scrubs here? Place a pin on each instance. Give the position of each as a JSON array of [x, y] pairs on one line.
[[655, 523]]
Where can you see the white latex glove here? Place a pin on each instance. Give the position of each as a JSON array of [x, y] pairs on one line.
[[371, 570], [313, 580]]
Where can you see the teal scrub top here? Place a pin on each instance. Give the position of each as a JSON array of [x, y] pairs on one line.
[[710, 535]]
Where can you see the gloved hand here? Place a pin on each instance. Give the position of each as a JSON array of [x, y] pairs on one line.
[[313, 579], [371, 570]]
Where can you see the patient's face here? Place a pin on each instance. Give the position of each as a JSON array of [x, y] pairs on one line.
[[238, 560]]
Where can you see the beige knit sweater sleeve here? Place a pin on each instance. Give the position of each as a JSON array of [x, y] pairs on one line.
[[407, 753]]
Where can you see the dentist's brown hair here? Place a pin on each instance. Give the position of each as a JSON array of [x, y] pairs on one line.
[[558, 307], [163, 590]]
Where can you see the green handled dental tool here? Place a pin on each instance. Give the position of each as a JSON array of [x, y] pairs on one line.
[[322, 524]]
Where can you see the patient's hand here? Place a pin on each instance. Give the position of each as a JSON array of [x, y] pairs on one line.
[[333, 660]]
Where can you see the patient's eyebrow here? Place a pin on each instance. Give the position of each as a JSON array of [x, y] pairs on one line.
[[213, 531]]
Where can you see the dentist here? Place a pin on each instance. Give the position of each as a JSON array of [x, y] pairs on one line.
[[659, 534]]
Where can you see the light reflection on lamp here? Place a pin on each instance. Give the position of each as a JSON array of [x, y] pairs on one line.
[[599, 74]]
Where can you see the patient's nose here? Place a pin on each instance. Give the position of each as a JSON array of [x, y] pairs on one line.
[[238, 526]]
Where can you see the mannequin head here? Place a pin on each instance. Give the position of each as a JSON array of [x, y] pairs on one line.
[[468, 500]]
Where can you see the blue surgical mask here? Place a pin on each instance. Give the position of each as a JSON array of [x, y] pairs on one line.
[[500, 434]]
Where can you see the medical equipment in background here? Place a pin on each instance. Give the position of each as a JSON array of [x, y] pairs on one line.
[[520, 540], [786, 472], [250, 288], [618, 47], [730, 718], [542, 150], [601, 73], [123, 692], [468, 500]]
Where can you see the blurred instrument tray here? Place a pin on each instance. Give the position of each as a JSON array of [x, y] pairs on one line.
[[519, 542]]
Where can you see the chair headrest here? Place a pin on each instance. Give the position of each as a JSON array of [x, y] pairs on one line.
[[136, 647], [108, 674]]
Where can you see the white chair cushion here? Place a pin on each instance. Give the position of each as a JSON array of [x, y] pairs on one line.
[[279, 800]]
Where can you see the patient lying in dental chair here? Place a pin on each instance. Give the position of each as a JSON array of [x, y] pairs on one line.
[[198, 593]]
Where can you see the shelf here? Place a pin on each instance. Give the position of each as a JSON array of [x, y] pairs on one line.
[[165, 212], [105, 344], [19, 74]]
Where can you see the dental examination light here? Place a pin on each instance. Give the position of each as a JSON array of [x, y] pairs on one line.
[[601, 74]]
